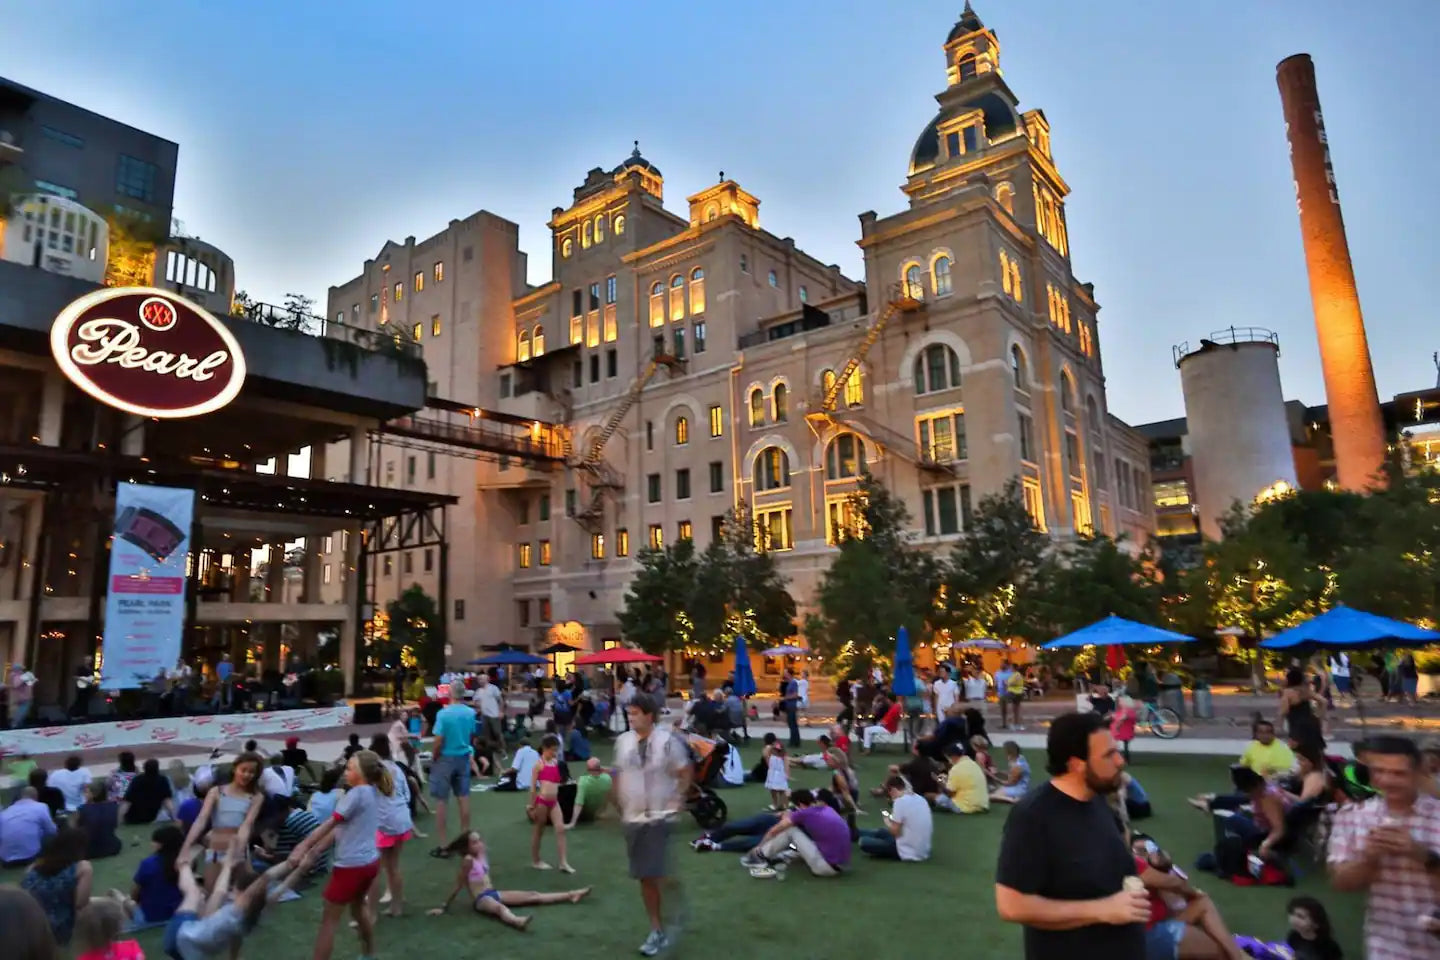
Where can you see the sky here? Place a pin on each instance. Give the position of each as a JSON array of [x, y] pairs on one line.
[[312, 132]]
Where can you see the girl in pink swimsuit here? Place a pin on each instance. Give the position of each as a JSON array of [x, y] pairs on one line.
[[544, 805], [474, 875]]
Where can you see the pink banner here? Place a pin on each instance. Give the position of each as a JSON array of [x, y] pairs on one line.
[[203, 730]]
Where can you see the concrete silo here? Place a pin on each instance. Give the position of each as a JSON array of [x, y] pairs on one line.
[[1239, 436]]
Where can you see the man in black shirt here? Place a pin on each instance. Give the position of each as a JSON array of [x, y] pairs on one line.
[[1064, 868], [147, 795]]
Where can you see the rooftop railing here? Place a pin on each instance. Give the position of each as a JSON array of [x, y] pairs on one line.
[[387, 340]]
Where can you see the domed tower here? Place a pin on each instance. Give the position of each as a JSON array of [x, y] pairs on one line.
[[649, 174]]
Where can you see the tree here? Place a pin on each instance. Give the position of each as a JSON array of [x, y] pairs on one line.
[[878, 583], [416, 626], [241, 305], [131, 260], [739, 590], [1090, 579], [656, 614], [993, 574]]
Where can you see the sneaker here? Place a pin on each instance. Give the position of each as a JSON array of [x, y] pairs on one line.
[[763, 873], [705, 845], [654, 944], [751, 860]]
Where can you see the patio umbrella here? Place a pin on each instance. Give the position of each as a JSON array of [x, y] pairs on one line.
[[744, 675], [1115, 630], [903, 682], [559, 646], [785, 650], [507, 658], [1348, 629], [984, 643], [616, 655]]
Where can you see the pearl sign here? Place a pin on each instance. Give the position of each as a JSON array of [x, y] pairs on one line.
[[148, 352]]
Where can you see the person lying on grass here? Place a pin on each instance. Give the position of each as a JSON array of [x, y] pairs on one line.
[[474, 876], [204, 928]]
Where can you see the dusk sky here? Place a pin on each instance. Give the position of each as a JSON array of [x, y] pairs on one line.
[[311, 132]]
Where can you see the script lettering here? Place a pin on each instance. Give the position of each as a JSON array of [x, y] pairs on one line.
[[109, 340]]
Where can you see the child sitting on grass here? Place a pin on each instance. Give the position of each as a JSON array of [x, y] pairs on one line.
[[97, 933]]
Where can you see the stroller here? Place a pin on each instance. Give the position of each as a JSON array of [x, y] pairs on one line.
[[703, 803]]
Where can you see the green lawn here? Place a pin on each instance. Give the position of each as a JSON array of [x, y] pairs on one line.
[[943, 908]]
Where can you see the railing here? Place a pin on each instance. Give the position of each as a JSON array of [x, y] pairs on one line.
[[1227, 337], [547, 446], [377, 341]]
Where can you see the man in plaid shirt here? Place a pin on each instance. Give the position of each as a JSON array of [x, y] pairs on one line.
[[1390, 847]]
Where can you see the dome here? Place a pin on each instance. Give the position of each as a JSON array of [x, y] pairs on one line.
[[967, 24], [635, 160], [1000, 121]]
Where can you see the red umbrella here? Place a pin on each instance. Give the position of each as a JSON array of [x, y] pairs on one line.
[[1115, 656], [616, 655]]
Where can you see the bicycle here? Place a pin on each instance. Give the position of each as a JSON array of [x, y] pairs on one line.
[[1163, 722]]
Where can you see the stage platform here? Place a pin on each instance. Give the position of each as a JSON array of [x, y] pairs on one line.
[[204, 729]]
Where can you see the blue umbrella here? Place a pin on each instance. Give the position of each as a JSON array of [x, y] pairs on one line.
[[903, 683], [508, 658], [1347, 628], [1117, 631], [744, 676]]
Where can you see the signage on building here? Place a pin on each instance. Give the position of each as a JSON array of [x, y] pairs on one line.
[[145, 596], [148, 352]]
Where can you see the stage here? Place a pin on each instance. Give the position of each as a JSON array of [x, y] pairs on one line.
[[205, 729]]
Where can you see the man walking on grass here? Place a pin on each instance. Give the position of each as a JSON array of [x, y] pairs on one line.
[[652, 775]]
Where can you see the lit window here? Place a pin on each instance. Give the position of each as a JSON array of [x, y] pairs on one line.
[[399, 292], [682, 430], [827, 382], [619, 230], [717, 421], [677, 297], [936, 368], [656, 537], [597, 546], [1173, 493], [600, 229], [684, 531], [1018, 371], [942, 436], [1080, 511], [439, 271], [544, 553], [697, 291], [781, 396], [940, 276], [1005, 196], [757, 408], [657, 304], [774, 280], [1034, 503], [538, 339], [567, 246], [804, 294], [577, 329], [522, 349], [622, 536], [845, 457], [419, 280], [855, 388], [612, 331], [773, 529], [585, 235], [592, 330], [843, 520], [772, 469], [914, 288], [435, 325], [523, 555], [1087, 341], [1067, 392], [417, 331]]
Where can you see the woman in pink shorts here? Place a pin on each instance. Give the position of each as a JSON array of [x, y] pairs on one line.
[[544, 805], [395, 828]]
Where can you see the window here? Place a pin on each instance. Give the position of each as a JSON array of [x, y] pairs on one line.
[[328, 544], [649, 434], [505, 385], [430, 465], [971, 137], [717, 420], [1027, 439], [597, 546], [773, 530], [544, 553], [544, 507], [936, 368], [567, 247], [46, 186], [523, 514], [782, 406], [744, 264], [940, 276], [374, 302], [845, 457], [544, 609], [522, 609], [952, 144], [399, 292], [1080, 512], [699, 326], [1018, 371], [1034, 503], [570, 502], [855, 388], [622, 542], [717, 528], [656, 537], [914, 289], [612, 330], [772, 470], [966, 66], [417, 332], [594, 368], [410, 471], [757, 408], [435, 325], [684, 531], [1005, 196], [585, 235], [610, 289], [657, 304], [717, 476], [1067, 392], [600, 229], [1010, 277], [419, 283], [594, 296], [942, 436], [325, 573], [679, 338], [439, 271], [946, 510], [1087, 340], [523, 555], [652, 487], [1173, 493], [697, 291], [843, 520], [577, 374], [804, 294], [677, 297], [592, 330], [459, 609], [538, 340], [136, 178], [429, 560], [682, 484], [773, 280], [682, 430], [1072, 454], [60, 136], [388, 566], [620, 231], [612, 363]]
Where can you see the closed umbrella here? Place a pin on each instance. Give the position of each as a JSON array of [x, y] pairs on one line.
[[903, 682], [744, 682]]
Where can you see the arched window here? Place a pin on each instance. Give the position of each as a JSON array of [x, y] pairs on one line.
[[522, 349], [1092, 415], [567, 247], [845, 457], [804, 294], [619, 226], [697, 291], [914, 289], [1005, 273], [1087, 341], [1017, 369], [682, 431], [940, 275], [1005, 196], [711, 212], [782, 403], [774, 280], [827, 380], [585, 235], [1067, 392], [657, 304], [757, 407], [966, 66], [772, 470], [937, 368], [677, 297], [855, 388], [600, 228], [539, 339]]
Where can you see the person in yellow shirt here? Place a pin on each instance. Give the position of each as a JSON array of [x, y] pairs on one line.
[[965, 788], [1267, 755]]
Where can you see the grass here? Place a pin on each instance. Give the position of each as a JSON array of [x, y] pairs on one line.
[[931, 909]]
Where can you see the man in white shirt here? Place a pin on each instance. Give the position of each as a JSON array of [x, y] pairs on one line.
[[278, 781], [73, 782], [1340, 674], [947, 693], [974, 686], [909, 826], [492, 712]]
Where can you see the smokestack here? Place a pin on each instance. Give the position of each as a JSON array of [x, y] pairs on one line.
[[1355, 424]]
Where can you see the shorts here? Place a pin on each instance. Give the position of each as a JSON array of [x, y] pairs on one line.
[[1412, 685], [171, 942], [1342, 684], [491, 894], [1162, 941], [350, 884], [385, 840], [1014, 697], [647, 845], [450, 775]]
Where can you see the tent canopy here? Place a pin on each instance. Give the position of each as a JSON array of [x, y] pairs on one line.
[[616, 655], [508, 658], [1117, 630], [1345, 628], [784, 650]]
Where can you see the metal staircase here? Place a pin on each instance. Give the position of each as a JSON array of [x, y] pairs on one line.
[[905, 447], [902, 300]]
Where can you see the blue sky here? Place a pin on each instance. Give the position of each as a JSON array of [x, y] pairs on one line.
[[311, 132]]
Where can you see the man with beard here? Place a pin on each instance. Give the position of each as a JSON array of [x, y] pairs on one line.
[[1064, 867]]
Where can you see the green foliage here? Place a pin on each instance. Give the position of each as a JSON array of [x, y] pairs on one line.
[[995, 571], [415, 622], [131, 259], [1088, 580], [655, 616]]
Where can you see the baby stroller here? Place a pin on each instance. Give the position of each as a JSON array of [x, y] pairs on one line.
[[703, 803]]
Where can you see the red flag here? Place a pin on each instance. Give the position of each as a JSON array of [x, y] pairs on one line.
[[1115, 656]]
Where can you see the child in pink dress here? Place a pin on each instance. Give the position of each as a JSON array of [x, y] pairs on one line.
[[1122, 724]]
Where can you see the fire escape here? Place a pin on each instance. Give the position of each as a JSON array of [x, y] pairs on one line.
[[600, 476]]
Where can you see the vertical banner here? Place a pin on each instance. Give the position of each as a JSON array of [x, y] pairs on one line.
[[145, 602]]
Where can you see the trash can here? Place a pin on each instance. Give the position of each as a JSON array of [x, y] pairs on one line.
[[1172, 694], [1201, 702]]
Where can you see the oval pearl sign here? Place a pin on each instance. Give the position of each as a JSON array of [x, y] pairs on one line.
[[148, 352]]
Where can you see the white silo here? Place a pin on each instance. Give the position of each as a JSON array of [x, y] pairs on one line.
[[1239, 437]]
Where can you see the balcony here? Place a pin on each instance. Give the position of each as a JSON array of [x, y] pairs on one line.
[[284, 318], [10, 149]]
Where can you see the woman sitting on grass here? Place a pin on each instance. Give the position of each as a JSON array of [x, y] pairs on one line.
[[475, 875], [60, 881], [98, 819]]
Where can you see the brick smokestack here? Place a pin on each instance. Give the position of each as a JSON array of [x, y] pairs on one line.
[[1355, 424]]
